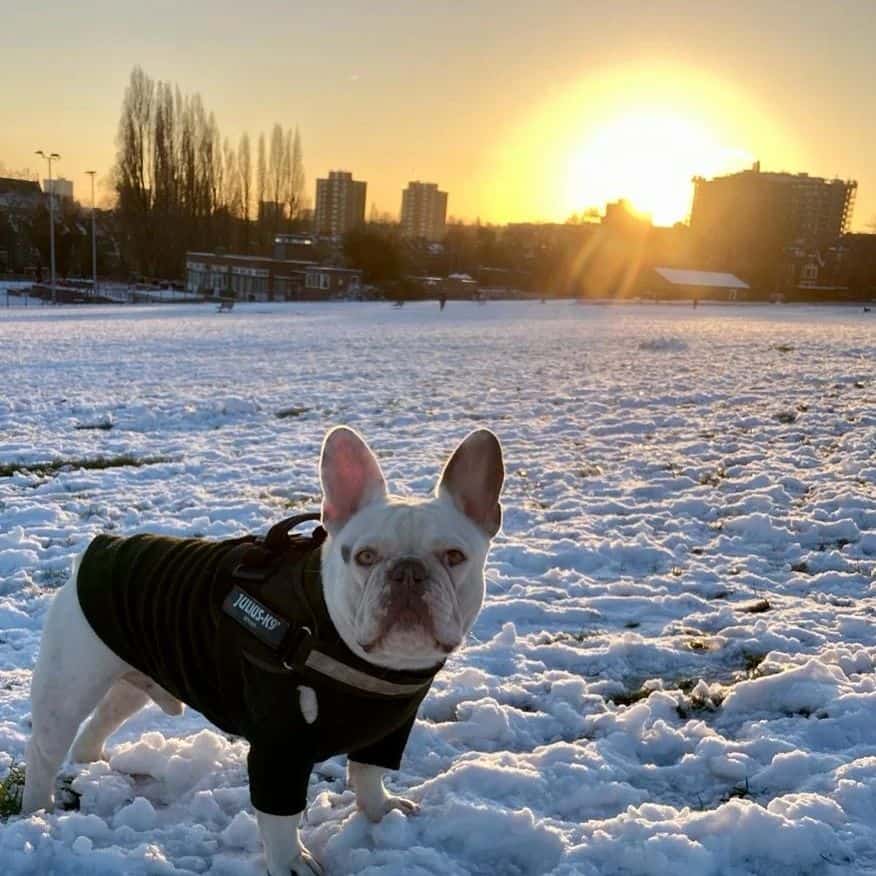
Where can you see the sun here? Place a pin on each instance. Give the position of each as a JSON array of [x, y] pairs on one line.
[[647, 155], [636, 132]]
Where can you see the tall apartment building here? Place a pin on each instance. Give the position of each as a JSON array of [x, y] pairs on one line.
[[63, 188], [423, 211], [790, 206], [747, 222], [340, 203]]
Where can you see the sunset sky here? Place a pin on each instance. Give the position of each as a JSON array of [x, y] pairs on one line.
[[521, 111]]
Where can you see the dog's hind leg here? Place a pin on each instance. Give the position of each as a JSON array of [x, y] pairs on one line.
[[73, 672], [120, 702], [165, 701]]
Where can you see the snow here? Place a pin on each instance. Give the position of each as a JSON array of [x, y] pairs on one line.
[[674, 668]]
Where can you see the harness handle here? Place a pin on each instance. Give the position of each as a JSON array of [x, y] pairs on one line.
[[277, 538]]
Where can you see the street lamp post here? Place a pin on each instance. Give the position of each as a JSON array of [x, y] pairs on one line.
[[52, 156], [91, 173]]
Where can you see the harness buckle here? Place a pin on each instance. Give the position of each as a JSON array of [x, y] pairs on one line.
[[295, 652]]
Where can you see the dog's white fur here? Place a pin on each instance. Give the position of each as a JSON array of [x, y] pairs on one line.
[[77, 675]]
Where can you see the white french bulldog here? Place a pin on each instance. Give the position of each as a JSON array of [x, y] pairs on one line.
[[402, 581]]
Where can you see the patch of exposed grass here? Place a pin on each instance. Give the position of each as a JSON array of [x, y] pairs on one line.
[[294, 411], [713, 479], [52, 579], [694, 703], [305, 503], [564, 637], [741, 791], [66, 798], [103, 425], [11, 789], [589, 471], [751, 663], [49, 469], [629, 697]]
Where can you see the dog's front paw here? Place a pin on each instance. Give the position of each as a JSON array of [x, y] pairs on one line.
[[304, 865], [376, 811]]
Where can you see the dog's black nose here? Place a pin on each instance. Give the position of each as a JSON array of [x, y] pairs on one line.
[[408, 569]]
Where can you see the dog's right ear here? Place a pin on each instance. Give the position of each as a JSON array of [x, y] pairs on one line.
[[473, 479], [351, 477]]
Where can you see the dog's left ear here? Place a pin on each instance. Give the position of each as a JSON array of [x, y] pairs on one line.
[[473, 479], [351, 477]]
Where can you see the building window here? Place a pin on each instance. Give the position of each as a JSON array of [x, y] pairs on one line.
[[317, 280], [219, 280]]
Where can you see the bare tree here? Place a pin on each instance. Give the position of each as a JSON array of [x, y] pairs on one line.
[[261, 188], [24, 173], [244, 168], [277, 164], [287, 196], [297, 180], [181, 186], [134, 147], [230, 198]]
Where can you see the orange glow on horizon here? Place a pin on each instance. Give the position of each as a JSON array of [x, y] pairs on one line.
[[635, 135], [647, 156]]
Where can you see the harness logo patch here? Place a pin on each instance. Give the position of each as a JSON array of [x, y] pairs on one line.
[[255, 617]]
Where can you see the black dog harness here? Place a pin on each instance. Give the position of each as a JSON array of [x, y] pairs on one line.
[[262, 602], [234, 628]]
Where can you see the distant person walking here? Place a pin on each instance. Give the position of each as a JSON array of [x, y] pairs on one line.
[[442, 301]]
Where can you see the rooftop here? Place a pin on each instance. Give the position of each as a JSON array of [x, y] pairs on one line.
[[712, 279], [19, 187]]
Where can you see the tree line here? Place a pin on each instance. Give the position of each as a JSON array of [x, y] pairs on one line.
[[181, 186]]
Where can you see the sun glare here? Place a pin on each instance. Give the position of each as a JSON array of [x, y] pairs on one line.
[[639, 134], [648, 157]]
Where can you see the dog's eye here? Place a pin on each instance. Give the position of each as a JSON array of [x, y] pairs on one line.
[[453, 557], [366, 557]]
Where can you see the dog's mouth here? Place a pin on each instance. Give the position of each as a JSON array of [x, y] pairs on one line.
[[408, 621], [381, 639]]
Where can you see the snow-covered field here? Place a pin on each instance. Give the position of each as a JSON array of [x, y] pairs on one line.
[[674, 669]]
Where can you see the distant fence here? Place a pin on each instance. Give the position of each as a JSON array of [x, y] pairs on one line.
[[38, 295]]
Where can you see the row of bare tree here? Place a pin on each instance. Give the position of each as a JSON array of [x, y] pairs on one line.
[[181, 186]]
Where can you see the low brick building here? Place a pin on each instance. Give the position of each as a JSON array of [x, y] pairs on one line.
[[258, 278]]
